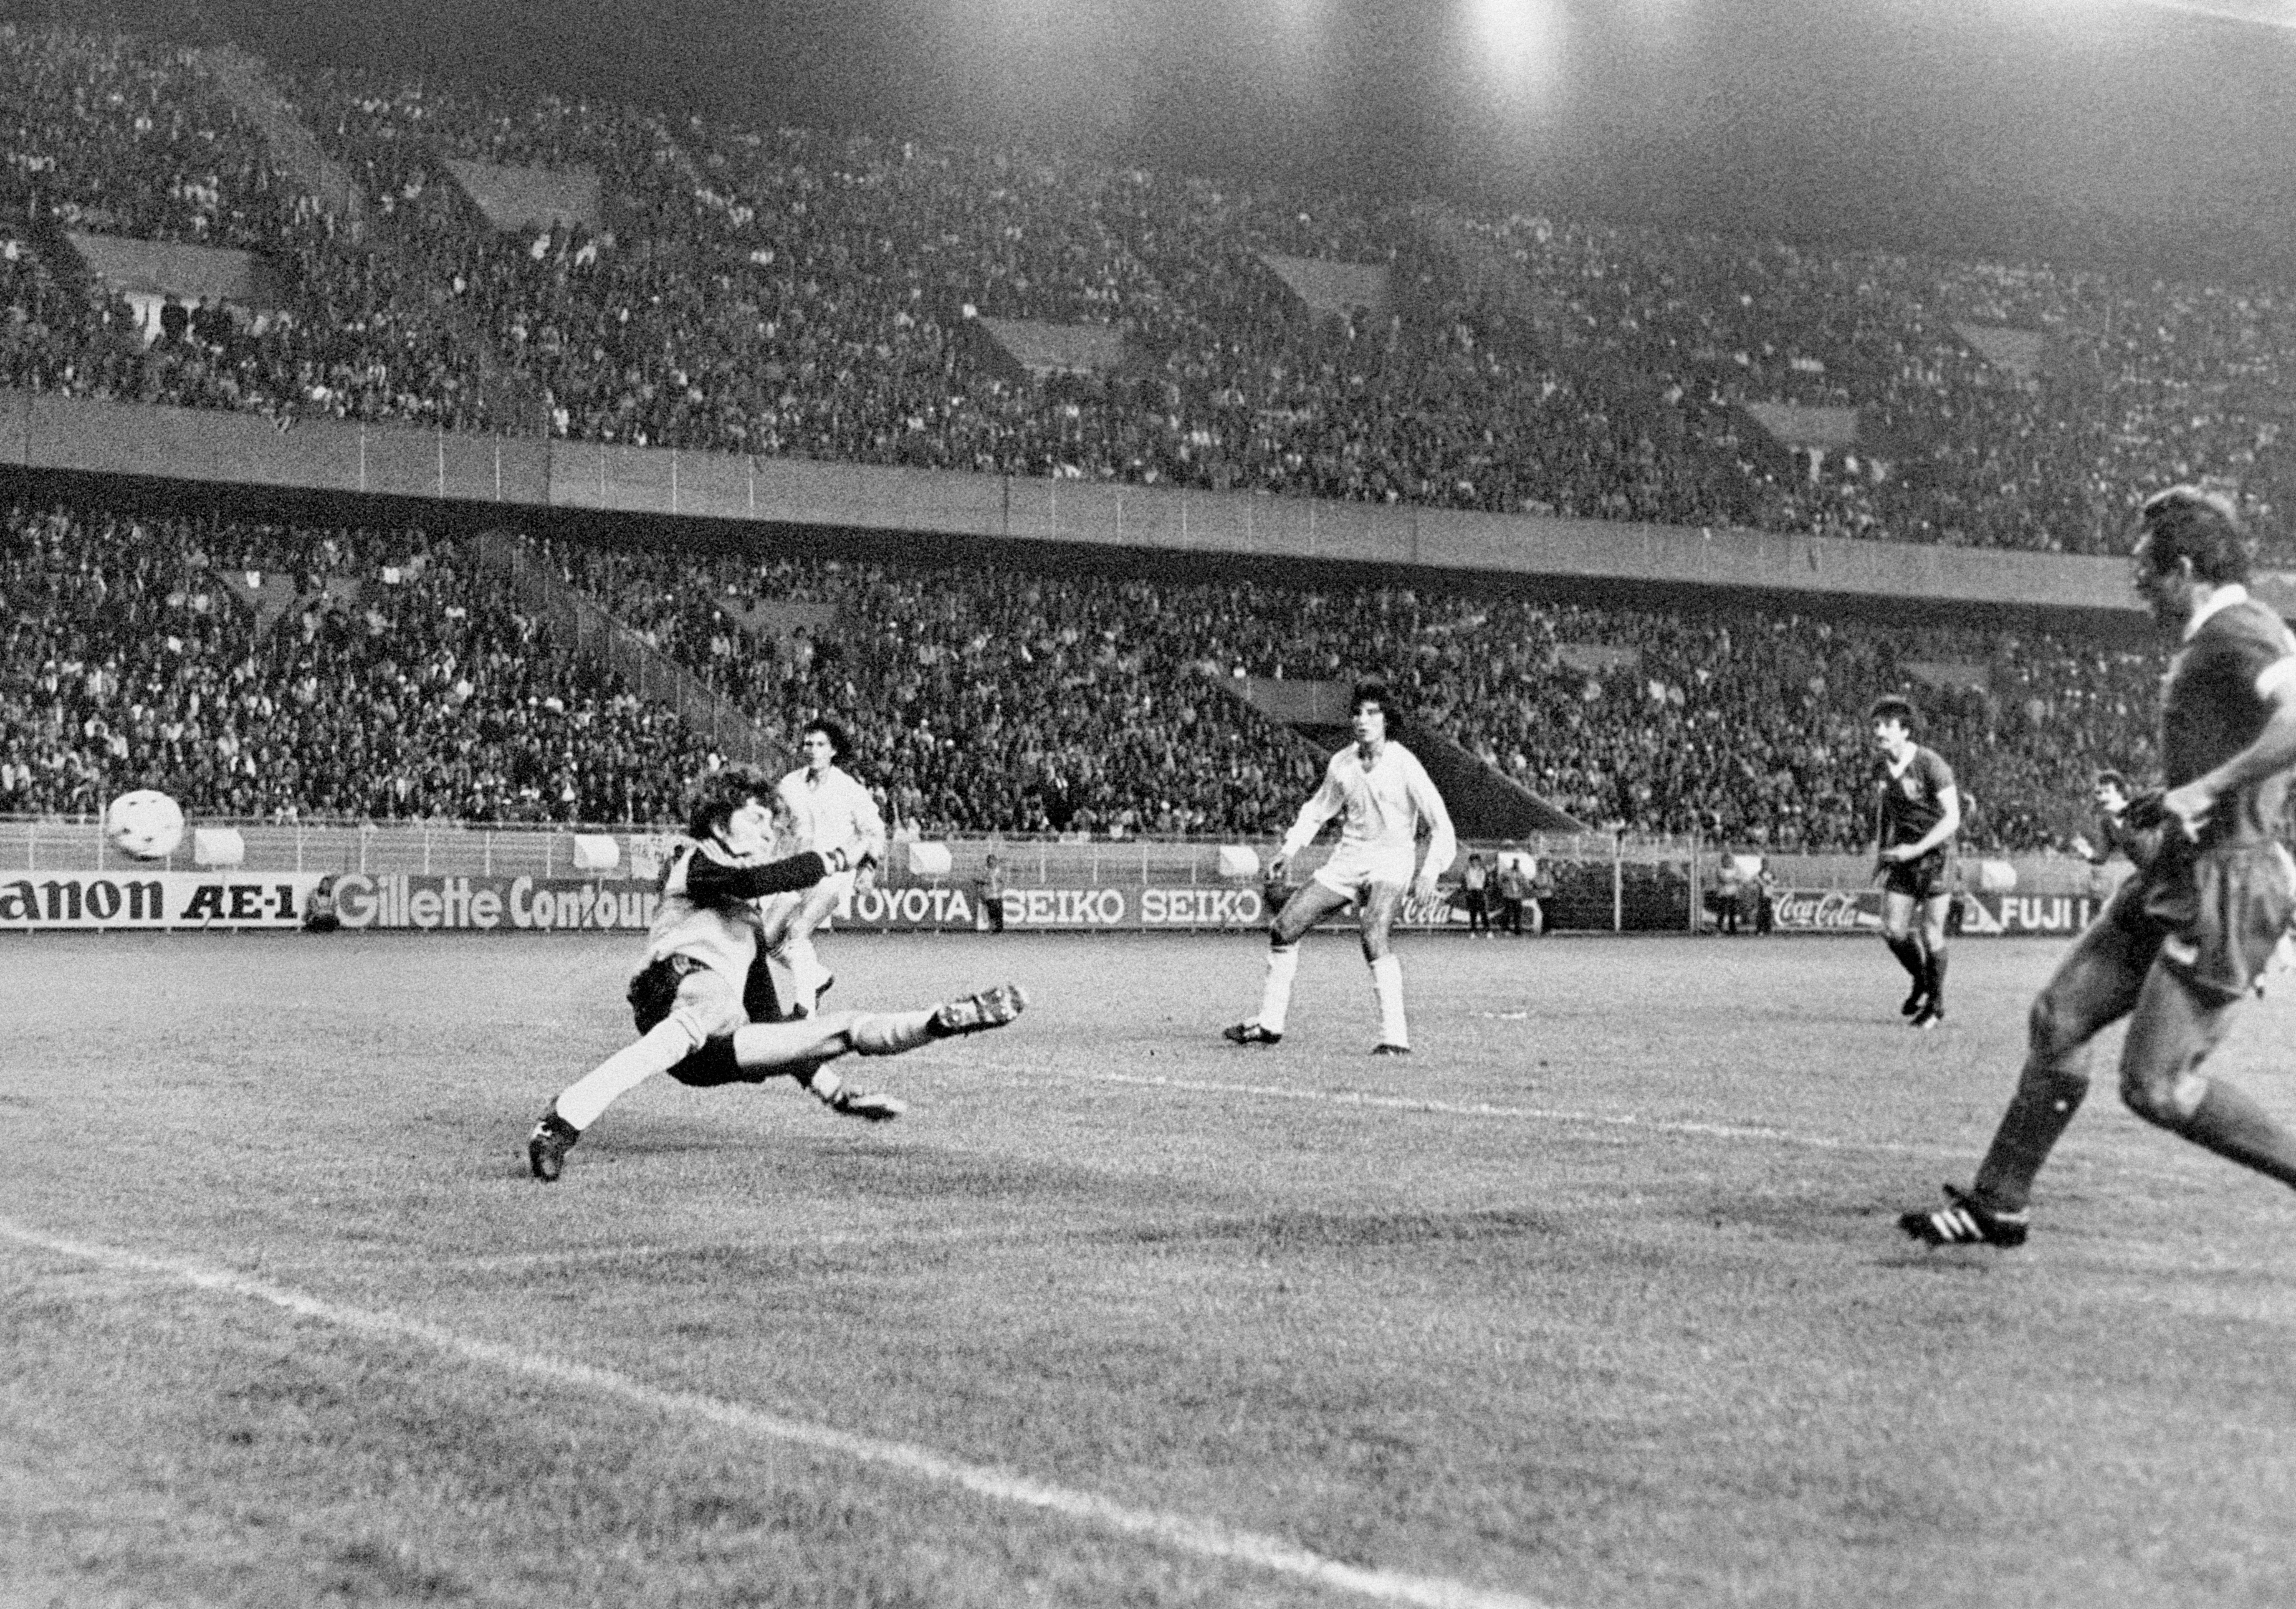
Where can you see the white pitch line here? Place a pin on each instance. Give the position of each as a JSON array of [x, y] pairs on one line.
[[1197, 1537], [1483, 1108]]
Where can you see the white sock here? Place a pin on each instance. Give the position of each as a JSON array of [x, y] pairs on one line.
[[888, 1033], [1275, 994], [1387, 983], [661, 1049], [804, 970], [779, 969], [771, 1047]]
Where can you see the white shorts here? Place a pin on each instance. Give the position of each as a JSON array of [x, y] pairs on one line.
[[708, 1004], [1352, 870]]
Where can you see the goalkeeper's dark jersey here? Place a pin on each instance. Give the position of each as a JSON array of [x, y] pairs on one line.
[[1913, 801], [2212, 707]]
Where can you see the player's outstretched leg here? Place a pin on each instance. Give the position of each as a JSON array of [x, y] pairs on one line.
[[971, 1013], [581, 1103], [803, 1048]]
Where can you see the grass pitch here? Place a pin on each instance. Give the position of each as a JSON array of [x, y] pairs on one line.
[[1594, 1302]]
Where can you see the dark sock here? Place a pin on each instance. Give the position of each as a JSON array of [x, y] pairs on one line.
[[2038, 1114], [1908, 951], [2232, 1126], [1934, 979]]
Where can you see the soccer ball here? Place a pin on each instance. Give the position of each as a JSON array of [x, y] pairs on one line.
[[146, 825]]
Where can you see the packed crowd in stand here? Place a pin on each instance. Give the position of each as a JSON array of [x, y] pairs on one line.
[[777, 292], [1005, 700], [982, 700], [117, 136], [374, 674], [368, 676]]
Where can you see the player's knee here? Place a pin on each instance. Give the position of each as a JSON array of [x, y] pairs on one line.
[[2164, 1096], [1376, 946], [2152, 1100], [2051, 1028]]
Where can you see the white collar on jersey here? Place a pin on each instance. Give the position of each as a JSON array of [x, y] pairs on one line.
[[2219, 600]]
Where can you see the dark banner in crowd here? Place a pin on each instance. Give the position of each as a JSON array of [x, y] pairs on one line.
[[128, 898]]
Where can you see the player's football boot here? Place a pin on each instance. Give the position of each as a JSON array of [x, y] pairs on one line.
[[1966, 1221], [869, 1108], [1930, 1016], [546, 1148], [1250, 1033], [1386, 1049], [975, 1014], [1915, 1001]]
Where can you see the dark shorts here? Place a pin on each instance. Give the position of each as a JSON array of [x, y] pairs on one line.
[[2215, 917], [1929, 878], [713, 1065]]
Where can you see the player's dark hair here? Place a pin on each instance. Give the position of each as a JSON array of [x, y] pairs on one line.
[[2112, 779], [2192, 522], [1891, 707], [1375, 692], [839, 744], [718, 795]]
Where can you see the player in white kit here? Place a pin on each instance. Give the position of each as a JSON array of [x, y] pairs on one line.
[[1382, 794], [826, 809]]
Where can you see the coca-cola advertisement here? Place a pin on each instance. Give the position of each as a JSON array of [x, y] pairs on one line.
[[1859, 910], [1827, 910]]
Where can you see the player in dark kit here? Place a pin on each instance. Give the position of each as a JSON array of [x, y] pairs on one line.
[[1919, 811], [2114, 835], [703, 1004], [2184, 940]]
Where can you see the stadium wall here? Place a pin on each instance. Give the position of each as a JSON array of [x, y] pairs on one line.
[[44, 433]]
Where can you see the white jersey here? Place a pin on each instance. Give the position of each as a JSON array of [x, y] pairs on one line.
[[831, 811], [1380, 807]]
